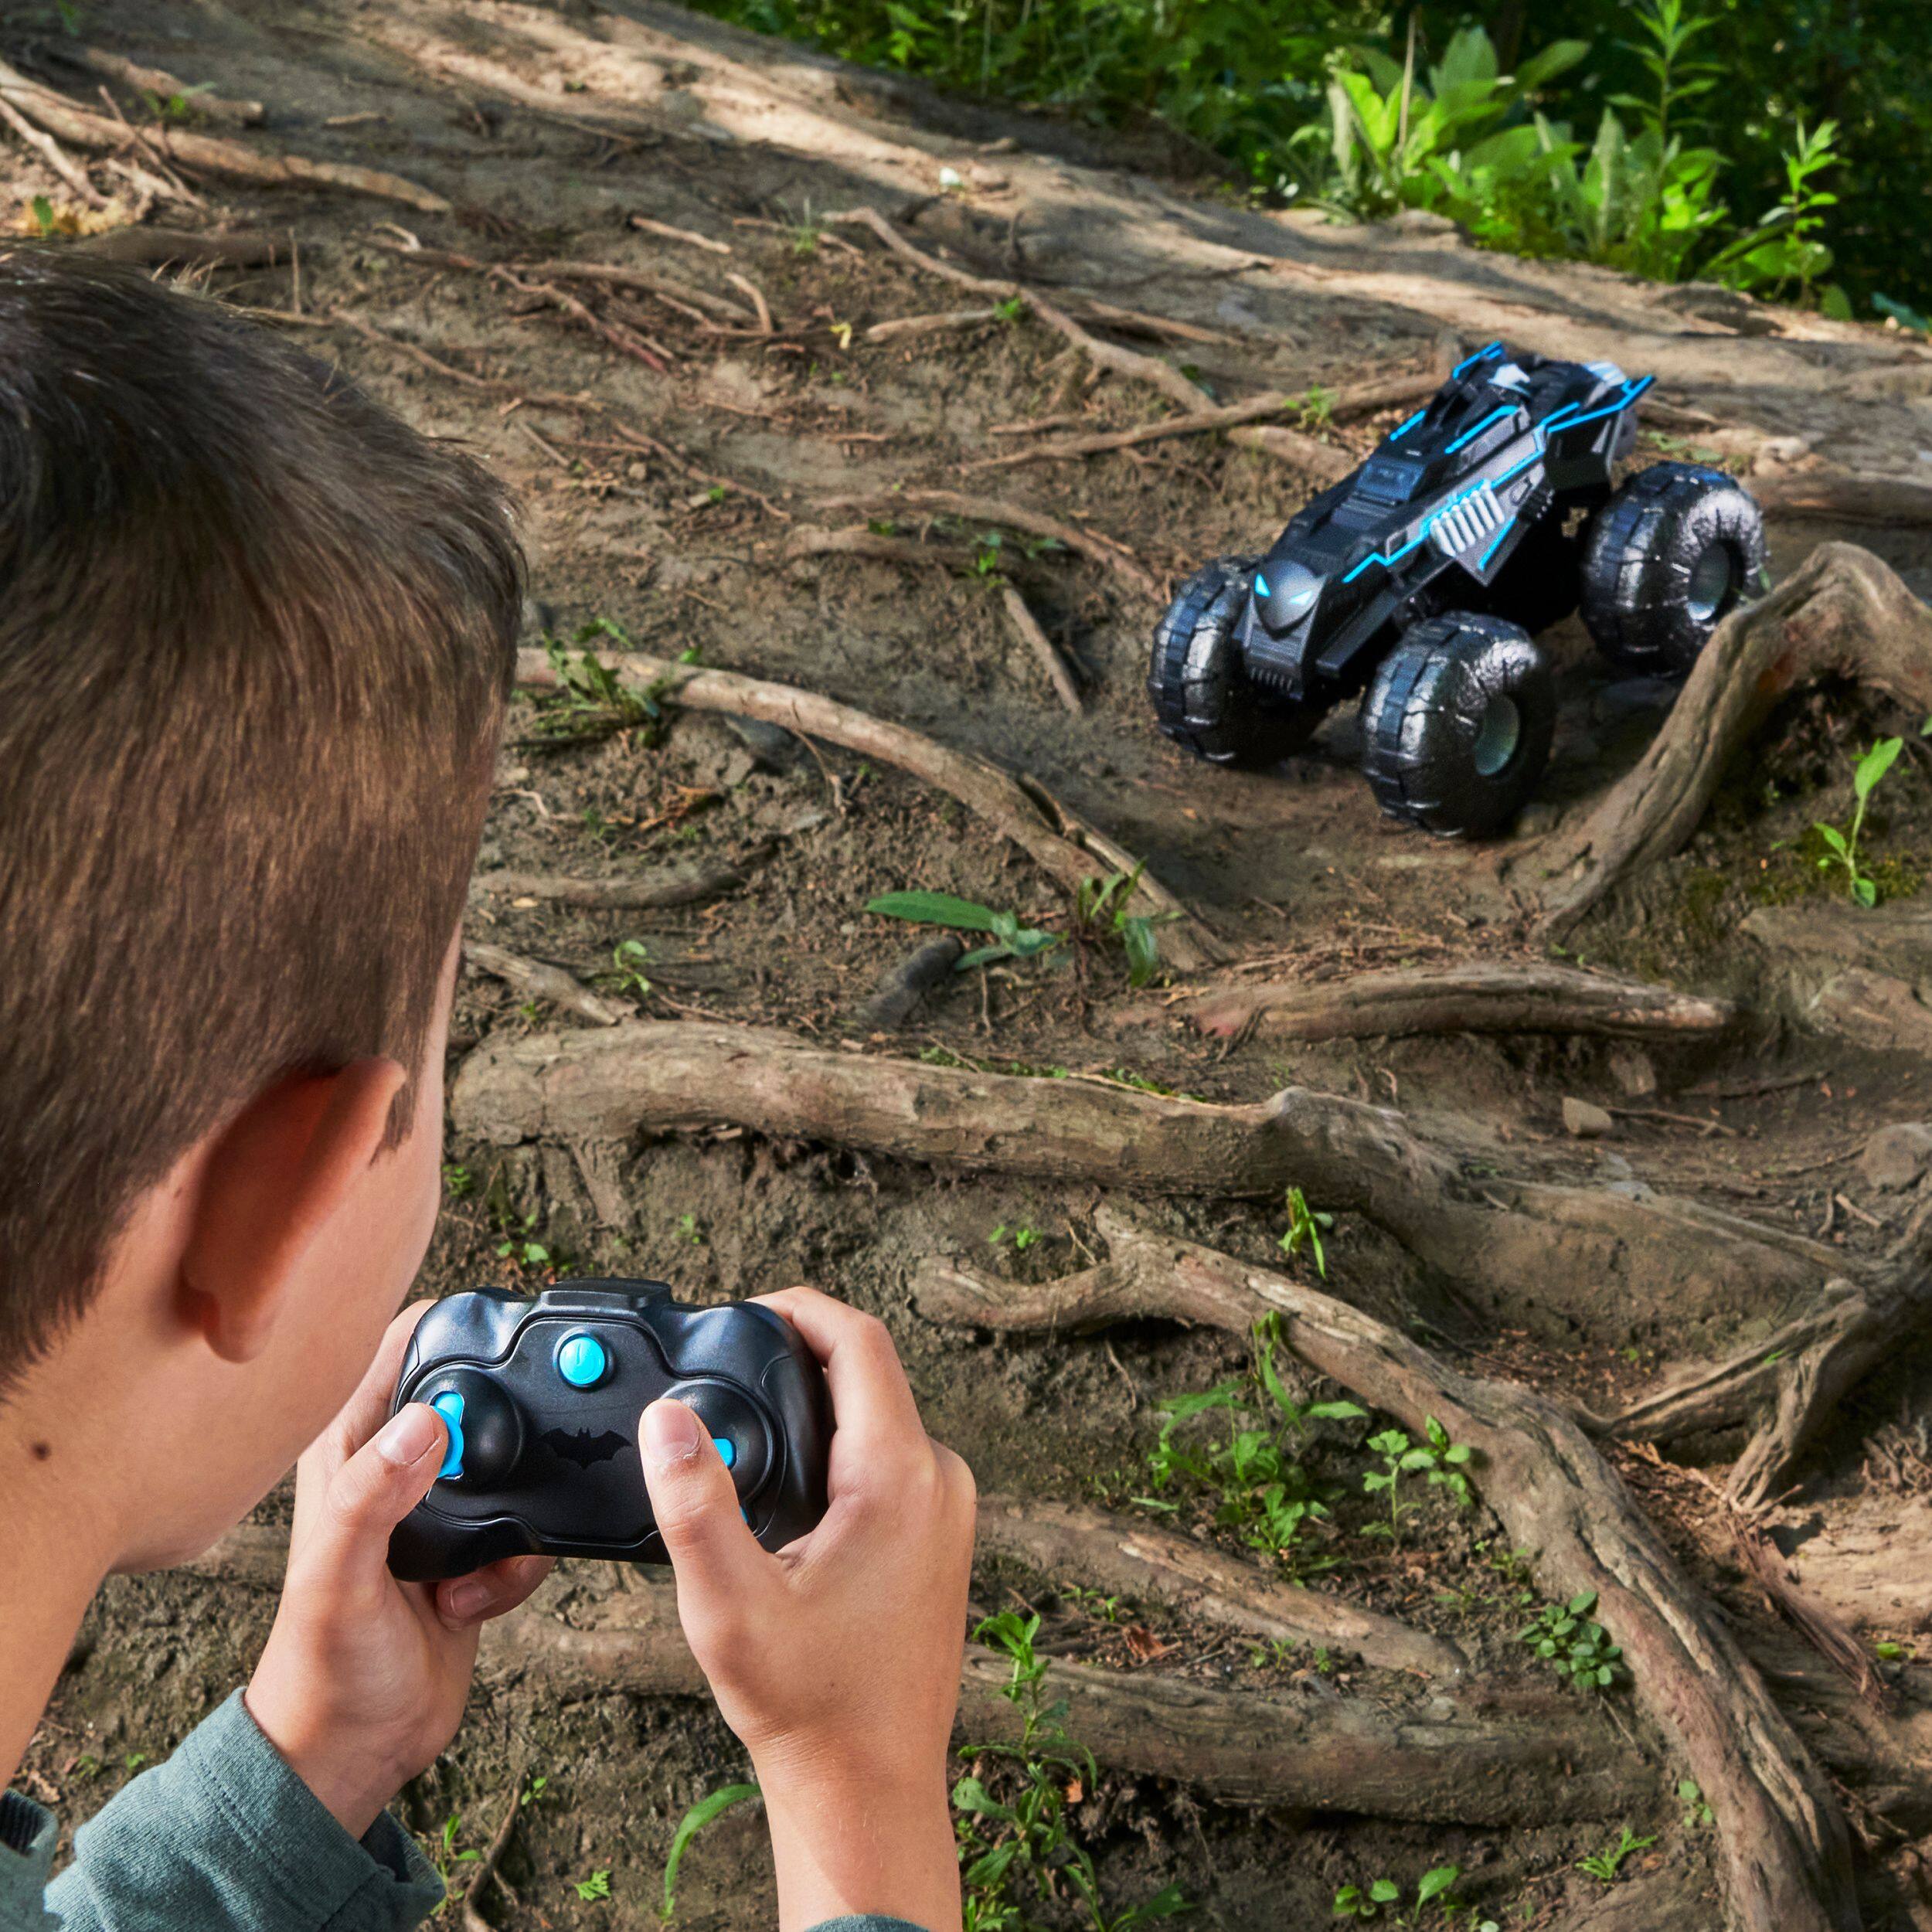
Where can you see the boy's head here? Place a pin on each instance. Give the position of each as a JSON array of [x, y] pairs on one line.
[[256, 637]]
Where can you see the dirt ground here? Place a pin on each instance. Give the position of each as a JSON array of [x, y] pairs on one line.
[[665, 450]]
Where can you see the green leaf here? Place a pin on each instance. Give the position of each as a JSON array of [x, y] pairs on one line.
[[969, 1795], [1865, 892], [937, 909], [1385, 1891], [1582, 1604], [1334, 1411], [1874, 764], [1833, 838], [693, 1822], [1435, 1883]]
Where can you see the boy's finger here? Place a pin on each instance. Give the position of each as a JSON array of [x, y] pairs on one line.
[[490, 1592], [695, 1503], [349, 1534], [875, 1417]]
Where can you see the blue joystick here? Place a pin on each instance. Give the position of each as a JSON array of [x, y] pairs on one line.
[[727, 1449], [582, 1360], [449, 1405]]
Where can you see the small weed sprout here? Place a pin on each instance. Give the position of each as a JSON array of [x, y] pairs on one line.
[[689, 1228], [707, 1808], [1697, 1815], [445, 1858], [598, 1886], [1442, 1460], [1101, 905], [1022, 1237], [1603, 1866], [1433, 1888], [590, 700], [1843, 854], [458, 1182], [1564, 1635], [1011, 940], [1305, 1230], [628, 959]]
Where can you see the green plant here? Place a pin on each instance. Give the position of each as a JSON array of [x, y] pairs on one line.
[[1012, 309], [1697, 1815], [1103, 1609], [1101, 905], [1261, 1488], [43, 215], [1442, 1460], [711, 1806], [1669, 27], [1433, 1888], [517, 1246], [598, 1886], [458, 1182], [1784, 254], [534, 1790], [445, 1858], [1011, 940], [588, 700], [1305, 1229], [628, 959], [1603, 1865], [1022, 1236], [1565, 1635], [1022, 1841], [687, 1226], [1844, 853]]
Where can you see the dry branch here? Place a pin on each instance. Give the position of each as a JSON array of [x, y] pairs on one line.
[[1527, 1243], [876, 546], [1785, 1850], [1358, 399], [537, 979], [1843, 613], [51, 151], [1321, 460], [903, 329], [1844, 499], [205, 154], [1135, 1559], [485, 1873], [164, 85], [1507, 1761], [1106, 551], [1507, 996], [1108, 355], [1020, 616], [156, 247], [1063, 845], [686, 884]]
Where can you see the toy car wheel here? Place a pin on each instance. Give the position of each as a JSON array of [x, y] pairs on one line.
[[1456, 725], [1665, 561], [1203, 697]]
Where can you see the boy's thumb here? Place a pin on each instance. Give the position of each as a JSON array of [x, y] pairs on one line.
[[693, 1498], [376, 1489]]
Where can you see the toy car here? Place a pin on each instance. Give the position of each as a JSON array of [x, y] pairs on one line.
[[1418, 580]]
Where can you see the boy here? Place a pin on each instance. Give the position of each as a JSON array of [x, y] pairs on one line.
[[255, 640]]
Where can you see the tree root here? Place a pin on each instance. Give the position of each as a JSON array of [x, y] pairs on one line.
[[484, 1873], [1063, 845], [1103, 550], [1793, 1381], [1785, 1849], [1308, 453], [1105, 355], [686, 884], [1357, 399], [1843, 612], [1136, 1559], [206, 154], [537, 979], [1020, 616], [862, 540], [1524, 1243], [1844, 499], [1507, 996]]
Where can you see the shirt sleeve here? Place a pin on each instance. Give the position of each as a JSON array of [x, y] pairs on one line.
[[224, 1837]]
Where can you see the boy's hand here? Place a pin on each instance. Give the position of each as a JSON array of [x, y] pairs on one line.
[[363, 1679], [837, 1662]]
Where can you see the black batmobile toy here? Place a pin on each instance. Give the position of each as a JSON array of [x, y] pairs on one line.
[[1418, 580]]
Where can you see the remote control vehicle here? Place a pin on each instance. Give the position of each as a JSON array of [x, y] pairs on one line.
[[1420, 580]]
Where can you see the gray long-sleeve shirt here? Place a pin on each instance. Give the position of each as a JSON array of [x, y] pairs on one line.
[[225, 1837]]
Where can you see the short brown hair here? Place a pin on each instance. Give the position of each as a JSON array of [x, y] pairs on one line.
[[256, 639]]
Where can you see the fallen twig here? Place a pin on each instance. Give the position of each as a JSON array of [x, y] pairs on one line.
[[686, 885], [163, 86], [903, 328], [485, 1871], [1786, 1854], [645, 225], [51, 151], [1027, 625], [1061, 843], [537, 979], [1845, 499]]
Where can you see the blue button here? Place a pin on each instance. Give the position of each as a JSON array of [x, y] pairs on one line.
[[581, 1361], [727, 1449], [449, 1405]]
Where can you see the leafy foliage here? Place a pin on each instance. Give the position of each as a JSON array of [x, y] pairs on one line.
[[1442, 1460], [1305, 1229], [1565, 1635], [1011, 940], [1843, 852], [712, 1805], [1603, 1866], [1436, 1887]]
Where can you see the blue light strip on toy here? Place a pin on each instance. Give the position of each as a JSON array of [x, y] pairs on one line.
[[1554, 426], [1470, 435], [1481, 355], [1403, 429], [1483, 560]]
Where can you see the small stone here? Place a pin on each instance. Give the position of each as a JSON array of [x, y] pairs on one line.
[[1584, 1121], [1631, 1069], [1895, 1156]]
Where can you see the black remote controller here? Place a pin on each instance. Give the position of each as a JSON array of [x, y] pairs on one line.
[[541, 1399]]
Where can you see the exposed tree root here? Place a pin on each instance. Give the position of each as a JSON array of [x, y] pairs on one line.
[[1842, 613], [483, 1873], [905, 328], [876, 546], [1108, 355], [1844, 499], [1505, 996], [1020, 616], [537, 979], [1356, 399], [1785, 1850], [164, 85], [1137, 1559], [898, 994], [1103, 550], [686, 884], [1308, 453], [1063, 845], [206, 154], [1529, 1244], [1792, 1381]]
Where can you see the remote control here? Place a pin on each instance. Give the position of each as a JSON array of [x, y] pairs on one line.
[[541, 1399]]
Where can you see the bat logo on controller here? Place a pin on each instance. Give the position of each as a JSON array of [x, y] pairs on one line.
[[581, 1447]]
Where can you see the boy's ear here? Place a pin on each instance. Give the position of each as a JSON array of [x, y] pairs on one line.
[[274, 1177]]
